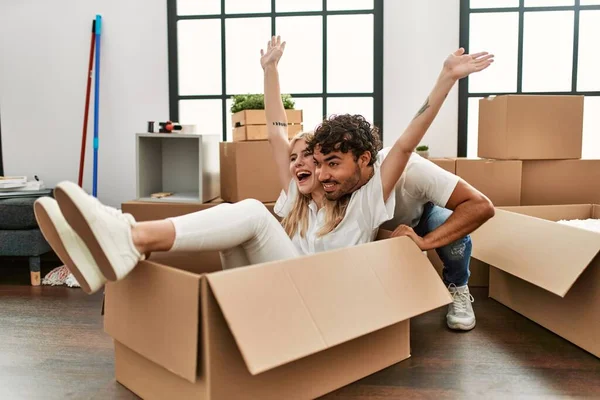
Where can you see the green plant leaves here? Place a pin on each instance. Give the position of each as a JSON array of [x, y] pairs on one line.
[[257, 102]]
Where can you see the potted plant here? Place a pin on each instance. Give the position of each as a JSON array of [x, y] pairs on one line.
[[423, 151], [249, 121]]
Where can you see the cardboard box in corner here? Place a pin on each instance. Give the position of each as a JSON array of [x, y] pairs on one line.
[[248, 171], [546, 271], [295, 329]]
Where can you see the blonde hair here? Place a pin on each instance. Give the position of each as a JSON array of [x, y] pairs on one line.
[[297, 218]]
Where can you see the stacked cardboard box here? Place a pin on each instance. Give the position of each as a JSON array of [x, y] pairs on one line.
[[545, 133], [248, 169], [546, 271]]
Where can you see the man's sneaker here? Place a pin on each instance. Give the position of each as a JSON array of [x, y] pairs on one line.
[[67, 245], [460, 313], [105, 230]]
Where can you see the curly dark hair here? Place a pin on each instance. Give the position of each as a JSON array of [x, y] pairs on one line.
[[346, 133]]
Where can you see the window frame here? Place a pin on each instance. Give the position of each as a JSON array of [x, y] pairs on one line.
[[463, 86], [376, 94]]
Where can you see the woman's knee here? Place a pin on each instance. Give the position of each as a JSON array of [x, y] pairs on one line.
[[254, 207]]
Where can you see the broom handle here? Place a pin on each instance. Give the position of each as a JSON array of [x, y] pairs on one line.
[[96, 104], [87, 104]]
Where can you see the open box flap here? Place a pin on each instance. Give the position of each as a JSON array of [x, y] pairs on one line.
[[159, 319], [544, 253], [282, 311], [555, 212]]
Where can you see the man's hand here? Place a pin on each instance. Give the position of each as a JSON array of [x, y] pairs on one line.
[[274, 52], [405, 230], [459, 65]]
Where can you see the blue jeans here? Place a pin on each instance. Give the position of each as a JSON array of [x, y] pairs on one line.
[[456, 256]]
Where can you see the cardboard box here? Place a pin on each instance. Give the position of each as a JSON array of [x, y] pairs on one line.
[[560, 182], [259, 132], [546, 271], [248, 170], [499, 180], [294, 329], [258, 117], [449, 164], [530, 127]]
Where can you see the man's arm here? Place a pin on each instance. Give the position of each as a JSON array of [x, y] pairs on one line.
[[471, 209], [456, 66]]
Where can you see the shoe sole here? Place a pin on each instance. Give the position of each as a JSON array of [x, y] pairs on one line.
[[462, 327], [69, 199], [48, 228]]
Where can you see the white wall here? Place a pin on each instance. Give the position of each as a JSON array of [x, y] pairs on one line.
[[418, 36], [44, 49]]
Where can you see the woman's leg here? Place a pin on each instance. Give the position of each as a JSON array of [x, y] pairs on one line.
[[247, 223], [117, 243], [234, 258]]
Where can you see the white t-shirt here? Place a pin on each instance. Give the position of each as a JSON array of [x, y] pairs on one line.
[[366, 211], [421, 182]]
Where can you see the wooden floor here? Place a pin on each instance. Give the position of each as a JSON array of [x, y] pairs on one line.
[[52, 346]]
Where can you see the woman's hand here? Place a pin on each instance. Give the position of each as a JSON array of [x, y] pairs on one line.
[[274, 52]]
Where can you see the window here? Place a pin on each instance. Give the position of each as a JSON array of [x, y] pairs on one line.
[[214, 48], [541, 47]]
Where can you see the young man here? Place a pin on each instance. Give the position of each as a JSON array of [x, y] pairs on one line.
[[435, 208]]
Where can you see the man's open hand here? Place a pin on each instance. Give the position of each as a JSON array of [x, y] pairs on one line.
[[405, 230], [460, 65]]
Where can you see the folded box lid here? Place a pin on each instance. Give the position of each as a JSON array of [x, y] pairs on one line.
[[155, 312], [282, 311], [544, 253]]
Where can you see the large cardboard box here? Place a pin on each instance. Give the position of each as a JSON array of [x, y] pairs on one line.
[[530, 127], [248, 170], [560, 182], [546, 271], [294, 329], [499, 180]]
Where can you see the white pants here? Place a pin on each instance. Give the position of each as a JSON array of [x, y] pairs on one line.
[[245, 233]]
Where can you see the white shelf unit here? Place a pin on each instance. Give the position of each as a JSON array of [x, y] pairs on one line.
[[185, 164]]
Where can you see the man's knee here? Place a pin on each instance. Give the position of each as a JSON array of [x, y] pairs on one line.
[[457, 250]]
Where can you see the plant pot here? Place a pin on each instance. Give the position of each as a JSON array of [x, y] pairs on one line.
[[424, 153]]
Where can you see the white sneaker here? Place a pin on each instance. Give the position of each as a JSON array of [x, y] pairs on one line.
[[67, 245], [105, 230], [460, 313]]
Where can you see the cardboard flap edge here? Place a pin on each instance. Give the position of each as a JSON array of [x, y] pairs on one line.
[[536, 239]]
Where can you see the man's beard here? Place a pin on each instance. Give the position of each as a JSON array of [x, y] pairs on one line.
[[347, 187]]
